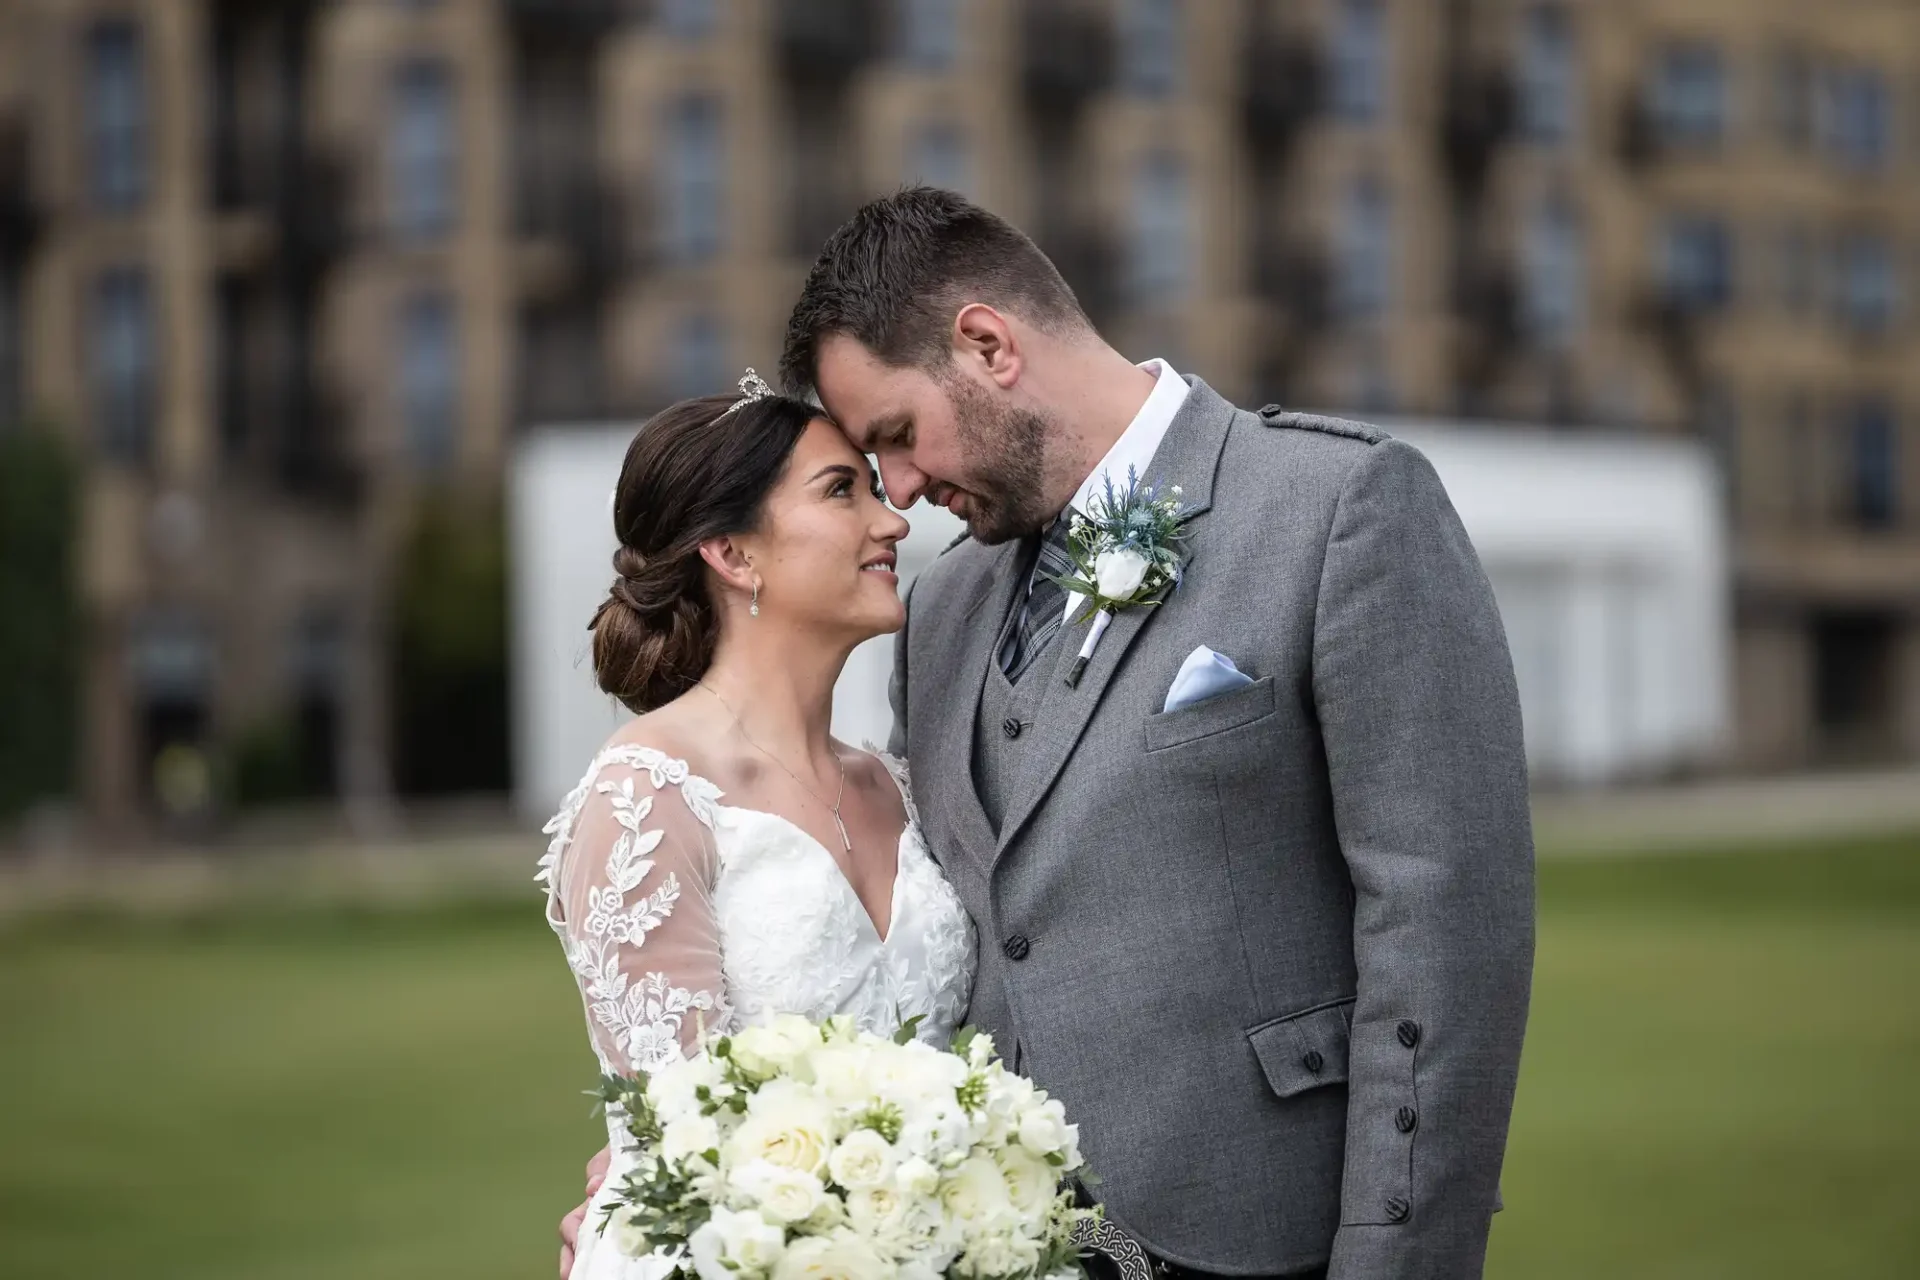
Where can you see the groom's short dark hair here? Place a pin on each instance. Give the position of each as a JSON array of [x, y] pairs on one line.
[[894, 274]]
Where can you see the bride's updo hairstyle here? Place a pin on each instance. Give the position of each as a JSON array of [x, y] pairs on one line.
[[697, 470]]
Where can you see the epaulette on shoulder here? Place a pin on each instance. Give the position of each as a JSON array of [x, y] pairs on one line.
[[1275, 416]]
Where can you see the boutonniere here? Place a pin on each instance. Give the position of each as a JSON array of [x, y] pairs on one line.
[[1127, 553]]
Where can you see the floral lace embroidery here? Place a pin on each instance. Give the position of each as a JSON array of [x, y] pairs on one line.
[[645, 1018]]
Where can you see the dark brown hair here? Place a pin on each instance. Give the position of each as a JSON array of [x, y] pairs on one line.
[[697, 470], [894, 274]]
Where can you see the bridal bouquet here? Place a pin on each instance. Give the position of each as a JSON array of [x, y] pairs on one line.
[[804, 1151]]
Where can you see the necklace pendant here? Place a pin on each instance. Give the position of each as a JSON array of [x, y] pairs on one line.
[[846, 841]]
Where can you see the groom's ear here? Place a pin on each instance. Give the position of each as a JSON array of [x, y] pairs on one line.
[[985, 343]]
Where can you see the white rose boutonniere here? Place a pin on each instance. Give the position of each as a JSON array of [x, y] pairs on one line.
[[1127, 551]]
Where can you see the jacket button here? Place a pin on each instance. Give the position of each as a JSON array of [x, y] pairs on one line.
[[1313, 1061], [1397, 1209], [1017, 947], [1408, 1031], [1405, 1118], [1011, 727]]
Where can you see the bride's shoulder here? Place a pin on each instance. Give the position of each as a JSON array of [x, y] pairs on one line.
[[883, 772]]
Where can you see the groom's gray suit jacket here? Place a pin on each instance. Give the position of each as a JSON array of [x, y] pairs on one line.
[[1272, 950]]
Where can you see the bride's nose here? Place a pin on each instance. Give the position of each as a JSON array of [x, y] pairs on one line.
[[891, 526]]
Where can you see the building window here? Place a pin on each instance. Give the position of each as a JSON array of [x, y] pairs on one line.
[[122, 357], [1150, 47], [1689, 95], [1549, 85], [1359, 59], [937, 156], [429, 379], [1555, 263], [689, 19], [1799, 280], [700, 366], [117, 115], [692, 187], [1696, 263], [1363, 271], [422, 149], [1853, 118], [1875, 466], [1159, 248], [929, 33], [1865, 293]]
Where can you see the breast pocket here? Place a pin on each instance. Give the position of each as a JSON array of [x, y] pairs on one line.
[[1214, 715]]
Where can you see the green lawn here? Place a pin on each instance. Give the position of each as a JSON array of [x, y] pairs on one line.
[[1720, 1080]]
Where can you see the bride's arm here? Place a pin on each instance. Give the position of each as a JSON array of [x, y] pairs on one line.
[[636, 893]]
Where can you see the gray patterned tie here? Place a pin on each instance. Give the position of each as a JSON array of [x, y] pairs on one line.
[[1046, 605]]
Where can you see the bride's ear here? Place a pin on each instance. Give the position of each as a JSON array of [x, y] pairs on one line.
[[731, 563]]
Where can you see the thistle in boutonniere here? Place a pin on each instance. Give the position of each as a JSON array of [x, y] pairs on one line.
[[1127, 552]]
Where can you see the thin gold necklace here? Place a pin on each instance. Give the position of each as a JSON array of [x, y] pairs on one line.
[[846, 841]]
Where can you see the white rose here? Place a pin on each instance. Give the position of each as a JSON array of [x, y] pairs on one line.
[[734, 1243], [1119, 573], [917, 1178], [691, 1135], [840, 1256], [627, 1238], [1043, 1129], [975, 1192], [863, 1159], [841, 1072], [1002, 1253], [783, 1194], [785, 1125], [776, 1048], [1031, 1181]]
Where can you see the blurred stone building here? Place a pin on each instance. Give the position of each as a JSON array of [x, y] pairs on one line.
[[280, 262]]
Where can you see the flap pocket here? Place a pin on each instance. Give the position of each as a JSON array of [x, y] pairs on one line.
[[1212, 715], [1304, 1050]]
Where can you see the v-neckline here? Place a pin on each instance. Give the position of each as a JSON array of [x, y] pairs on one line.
[[840, 872]]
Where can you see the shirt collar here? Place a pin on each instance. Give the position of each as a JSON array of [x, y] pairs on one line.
[[1141, 440]]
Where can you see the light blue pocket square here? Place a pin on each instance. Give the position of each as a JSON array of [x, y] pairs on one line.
[[1205, 674]]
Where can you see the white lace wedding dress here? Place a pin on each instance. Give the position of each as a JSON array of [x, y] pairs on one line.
[[679, 912]]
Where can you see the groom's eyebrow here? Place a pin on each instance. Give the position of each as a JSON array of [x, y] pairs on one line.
[[879, 429]]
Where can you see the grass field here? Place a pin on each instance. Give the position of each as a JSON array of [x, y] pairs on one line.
[[1722, 1080]]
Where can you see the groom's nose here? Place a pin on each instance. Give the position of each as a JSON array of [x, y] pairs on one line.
[[904, 483]]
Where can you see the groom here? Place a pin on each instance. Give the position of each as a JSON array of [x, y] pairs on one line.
[[1272, 947]]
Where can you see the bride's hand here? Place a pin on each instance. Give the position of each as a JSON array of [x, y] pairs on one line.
[[570, 1225]]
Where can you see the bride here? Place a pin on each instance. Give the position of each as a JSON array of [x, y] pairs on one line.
[[725, 859]]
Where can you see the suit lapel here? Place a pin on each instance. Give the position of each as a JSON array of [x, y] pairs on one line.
[[1188, 457]]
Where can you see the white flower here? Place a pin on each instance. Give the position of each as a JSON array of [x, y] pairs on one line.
[[778, 1047], [840, 1256], [784, 1195], [975, 1193], [1119, 573], [785, 1125], [626, 1237], [1043, 1129], [915, 1177], [688, 1135], [735, 1243], [672, 1091], [1031, 1182], [863, 1159], [1002, 1253]]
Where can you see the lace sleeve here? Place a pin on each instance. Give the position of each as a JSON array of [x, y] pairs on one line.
[[633, 870]]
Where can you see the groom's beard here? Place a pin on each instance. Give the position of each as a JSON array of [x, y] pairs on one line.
[[1006, 449]]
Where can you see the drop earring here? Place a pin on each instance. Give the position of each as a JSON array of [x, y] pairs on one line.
[[755, 610]]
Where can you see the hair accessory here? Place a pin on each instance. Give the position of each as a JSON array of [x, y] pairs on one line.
[[752, 387]]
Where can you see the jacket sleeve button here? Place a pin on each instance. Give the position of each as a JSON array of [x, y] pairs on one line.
[[1408, 1031]]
